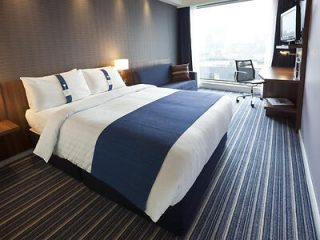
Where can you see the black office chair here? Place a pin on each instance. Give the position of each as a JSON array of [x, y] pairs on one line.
[[246, 74]]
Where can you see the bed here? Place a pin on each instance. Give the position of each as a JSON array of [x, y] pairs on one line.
[[119, 124]]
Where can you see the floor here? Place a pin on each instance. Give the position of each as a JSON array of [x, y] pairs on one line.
[[258, 191]]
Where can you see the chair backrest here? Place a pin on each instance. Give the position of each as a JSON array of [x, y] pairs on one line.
[[245, 71]]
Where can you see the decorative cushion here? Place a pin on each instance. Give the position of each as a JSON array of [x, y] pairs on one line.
[[180, 72], [55, 90]]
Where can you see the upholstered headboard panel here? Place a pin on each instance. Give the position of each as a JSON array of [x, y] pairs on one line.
[[44, 37]]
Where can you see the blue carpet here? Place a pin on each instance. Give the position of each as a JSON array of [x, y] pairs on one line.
[[258, 191]]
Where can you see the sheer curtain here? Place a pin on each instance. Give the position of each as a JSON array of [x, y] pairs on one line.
[[194, 40], [269, 8], [272, 6]]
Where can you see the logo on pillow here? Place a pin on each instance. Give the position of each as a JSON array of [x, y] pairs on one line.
[[65, 89], [106, 74]]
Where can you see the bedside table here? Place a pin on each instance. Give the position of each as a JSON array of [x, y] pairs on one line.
[[6, 127]]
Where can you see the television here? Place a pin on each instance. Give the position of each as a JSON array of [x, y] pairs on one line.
[[290, 29]]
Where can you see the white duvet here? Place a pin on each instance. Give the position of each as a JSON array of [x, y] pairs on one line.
[[71, 132]]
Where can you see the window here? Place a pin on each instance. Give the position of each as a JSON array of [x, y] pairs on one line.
[[223, 33]]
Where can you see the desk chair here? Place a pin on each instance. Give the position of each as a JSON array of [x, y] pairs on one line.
[[246, 74]]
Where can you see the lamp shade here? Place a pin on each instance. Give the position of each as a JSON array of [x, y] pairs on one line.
[[121, 64]]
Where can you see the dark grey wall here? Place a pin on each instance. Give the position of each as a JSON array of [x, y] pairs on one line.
[[40, 37], [310, 128]]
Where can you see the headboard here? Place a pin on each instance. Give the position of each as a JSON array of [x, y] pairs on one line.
[[13, 105], [46, 37]]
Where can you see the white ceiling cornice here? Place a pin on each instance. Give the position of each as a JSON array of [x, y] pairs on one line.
[[173, 2], [187, 3]]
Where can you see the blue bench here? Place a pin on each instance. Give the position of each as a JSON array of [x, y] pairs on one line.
[[160, 75]]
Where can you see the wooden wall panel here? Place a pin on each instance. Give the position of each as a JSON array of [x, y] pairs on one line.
[[16, 104], [15, 101], [3, 113]]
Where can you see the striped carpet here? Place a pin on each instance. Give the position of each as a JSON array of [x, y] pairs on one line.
[[258, 192]]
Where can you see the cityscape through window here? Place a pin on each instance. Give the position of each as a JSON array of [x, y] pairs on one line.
[[229, 32]]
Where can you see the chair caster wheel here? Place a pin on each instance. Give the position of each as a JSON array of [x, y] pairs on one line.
[[237, 100], [252, 105]]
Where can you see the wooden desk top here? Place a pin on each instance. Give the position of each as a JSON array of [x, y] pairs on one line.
[[277, 73]]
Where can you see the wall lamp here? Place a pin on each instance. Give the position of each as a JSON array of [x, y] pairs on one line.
[[122, 65]]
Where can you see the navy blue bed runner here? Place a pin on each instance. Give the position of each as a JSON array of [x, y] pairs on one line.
[[129, 152]]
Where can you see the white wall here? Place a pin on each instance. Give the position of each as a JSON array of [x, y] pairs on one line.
[[310, 128]]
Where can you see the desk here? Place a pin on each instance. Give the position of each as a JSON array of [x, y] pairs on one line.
[[280, 83]]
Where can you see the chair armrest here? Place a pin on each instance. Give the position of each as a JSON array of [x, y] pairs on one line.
[[193, 75], [241, 72]]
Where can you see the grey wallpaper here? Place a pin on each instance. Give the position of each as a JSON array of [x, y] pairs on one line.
[[310, 127], [40, 37]]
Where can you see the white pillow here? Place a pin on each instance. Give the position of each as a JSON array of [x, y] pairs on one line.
[[96, 80], [77, 84], [43, 93], [117, 81], [46, 92]]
